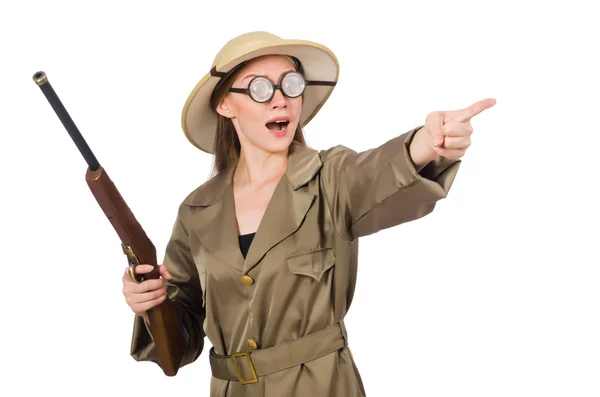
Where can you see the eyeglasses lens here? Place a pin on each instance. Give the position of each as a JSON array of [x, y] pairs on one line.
[[293, 85], [261, 89]]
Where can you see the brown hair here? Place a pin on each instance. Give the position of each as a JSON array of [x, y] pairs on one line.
[[227, 146]]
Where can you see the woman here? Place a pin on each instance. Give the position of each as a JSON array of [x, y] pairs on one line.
[[263, 256]]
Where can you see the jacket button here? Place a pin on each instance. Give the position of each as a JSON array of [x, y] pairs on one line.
[[252, 344], [247, 280]]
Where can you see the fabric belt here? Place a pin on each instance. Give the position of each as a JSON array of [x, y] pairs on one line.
[[248, 366]]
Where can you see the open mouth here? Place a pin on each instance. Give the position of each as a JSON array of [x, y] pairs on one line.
[[278, 125]]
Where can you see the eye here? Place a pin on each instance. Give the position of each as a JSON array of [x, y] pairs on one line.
[[293, 84], [261, 88]]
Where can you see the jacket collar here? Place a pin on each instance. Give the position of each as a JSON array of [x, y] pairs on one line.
[[216, 224], [303, 163]]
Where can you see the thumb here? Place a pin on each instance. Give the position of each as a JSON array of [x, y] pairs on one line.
[[164, 272], [434, 124]]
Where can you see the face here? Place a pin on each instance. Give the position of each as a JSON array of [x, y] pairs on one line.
[[255, 122]]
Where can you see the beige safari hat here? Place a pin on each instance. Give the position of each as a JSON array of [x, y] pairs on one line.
[[319, 64]]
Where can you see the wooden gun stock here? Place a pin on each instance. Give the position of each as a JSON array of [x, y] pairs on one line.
[[164, 321]]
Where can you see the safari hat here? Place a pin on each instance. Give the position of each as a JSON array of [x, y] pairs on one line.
[[199, 120]]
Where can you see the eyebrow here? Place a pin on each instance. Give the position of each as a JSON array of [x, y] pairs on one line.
[[254, 75]]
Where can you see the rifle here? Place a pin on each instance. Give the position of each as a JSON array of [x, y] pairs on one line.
[[164, 322]]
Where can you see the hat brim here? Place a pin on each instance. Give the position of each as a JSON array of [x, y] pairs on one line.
[[199, 121]]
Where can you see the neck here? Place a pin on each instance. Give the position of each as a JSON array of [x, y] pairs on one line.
[[257, 167]]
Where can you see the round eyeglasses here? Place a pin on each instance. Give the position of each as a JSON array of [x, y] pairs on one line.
[[293, 84]]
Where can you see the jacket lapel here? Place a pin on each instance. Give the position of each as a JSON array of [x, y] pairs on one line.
[[288, 205], [283, 216], [216, 224]]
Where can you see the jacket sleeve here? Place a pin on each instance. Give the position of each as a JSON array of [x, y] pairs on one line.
[[184, 290], [380, 188]]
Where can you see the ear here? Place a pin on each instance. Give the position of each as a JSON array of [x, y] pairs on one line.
[[224, 109]]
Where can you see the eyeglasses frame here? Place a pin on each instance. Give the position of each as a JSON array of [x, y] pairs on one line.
[[307, 83]]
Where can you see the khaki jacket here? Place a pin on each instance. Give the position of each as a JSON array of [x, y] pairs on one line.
[[300, 272]]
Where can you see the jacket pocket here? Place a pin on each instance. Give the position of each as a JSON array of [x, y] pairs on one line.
[[312, 263]]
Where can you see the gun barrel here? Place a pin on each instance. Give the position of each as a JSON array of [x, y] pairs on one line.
[[41, 80]]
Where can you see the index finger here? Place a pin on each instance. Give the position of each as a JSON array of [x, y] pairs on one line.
[[476, 108], [148, 285]]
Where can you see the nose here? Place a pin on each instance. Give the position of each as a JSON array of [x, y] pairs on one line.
[[279, 101]]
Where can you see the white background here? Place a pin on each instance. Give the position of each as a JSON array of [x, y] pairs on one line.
[[494, 294]]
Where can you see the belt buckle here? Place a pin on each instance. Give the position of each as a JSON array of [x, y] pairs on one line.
[[243, 381]]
